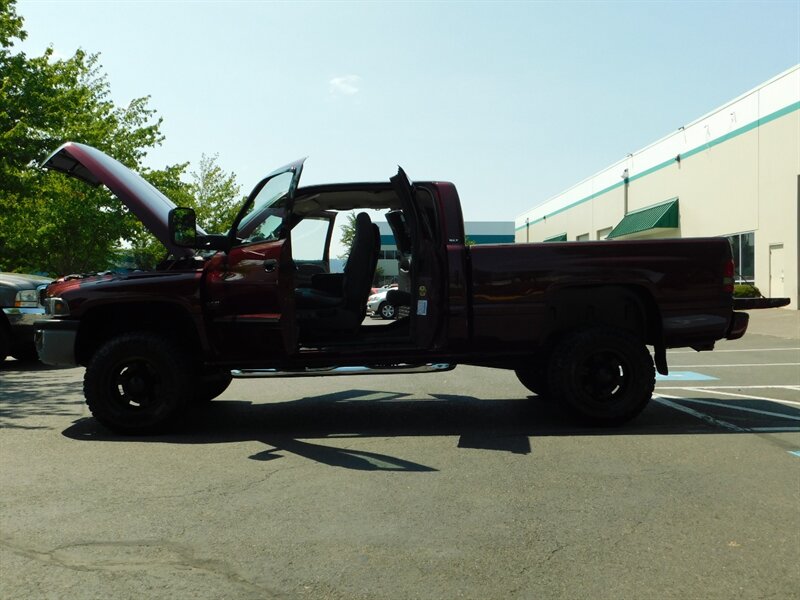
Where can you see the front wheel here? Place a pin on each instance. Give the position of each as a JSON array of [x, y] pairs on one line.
[[137, 383], [602, 376], [387, 311]]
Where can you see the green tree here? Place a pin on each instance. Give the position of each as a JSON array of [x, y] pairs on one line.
[[348, 232], [217, 196], [49, 222], [213, 193], [140, 248]]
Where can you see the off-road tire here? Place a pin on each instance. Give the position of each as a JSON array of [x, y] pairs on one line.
[[138, 384], [387, 311], [602, 376]]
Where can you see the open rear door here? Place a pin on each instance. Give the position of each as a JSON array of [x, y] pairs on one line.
[[428, 279]]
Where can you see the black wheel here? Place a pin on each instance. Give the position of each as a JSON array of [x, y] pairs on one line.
[[535, 379], [387, 311], [602, 376], [137, 383], [209, 385]]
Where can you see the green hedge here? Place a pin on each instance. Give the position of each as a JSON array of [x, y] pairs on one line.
[[746, 290]]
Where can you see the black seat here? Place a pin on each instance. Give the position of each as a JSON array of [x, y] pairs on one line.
[[338, 302]]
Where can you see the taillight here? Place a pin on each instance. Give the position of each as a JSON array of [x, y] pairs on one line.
[[727, 277]]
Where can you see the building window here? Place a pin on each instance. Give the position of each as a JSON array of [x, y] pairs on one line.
[[584, 237], [743, 248], [603, 233], [389, 255]]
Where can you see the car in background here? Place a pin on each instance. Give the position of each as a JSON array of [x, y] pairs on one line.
[[21, 306], [379, 306]]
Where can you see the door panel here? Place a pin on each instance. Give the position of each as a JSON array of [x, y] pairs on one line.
[[428, 296], [251, 301]]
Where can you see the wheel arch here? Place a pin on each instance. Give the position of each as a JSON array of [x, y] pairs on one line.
[[628, 307], [168, 319]]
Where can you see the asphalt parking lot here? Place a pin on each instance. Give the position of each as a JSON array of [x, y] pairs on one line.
[[454, 485]]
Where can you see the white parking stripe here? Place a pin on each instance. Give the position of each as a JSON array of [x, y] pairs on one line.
[[747, 396], [732, 387], [717, 351], [742, 408], [702, 416], [795, 364]]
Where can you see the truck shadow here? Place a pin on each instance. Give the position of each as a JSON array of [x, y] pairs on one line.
[[492, 425]]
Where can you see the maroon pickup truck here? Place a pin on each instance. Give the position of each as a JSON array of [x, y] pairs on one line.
[[573, 320]]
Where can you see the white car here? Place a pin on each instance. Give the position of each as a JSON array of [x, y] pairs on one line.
[[378, 306]]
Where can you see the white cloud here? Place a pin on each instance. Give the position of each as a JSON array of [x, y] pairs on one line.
[[346, 85]]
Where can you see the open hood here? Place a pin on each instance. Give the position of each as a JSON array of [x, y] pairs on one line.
[[149, 205]]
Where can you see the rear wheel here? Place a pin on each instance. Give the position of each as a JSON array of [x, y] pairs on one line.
[[602, 376], [137, 383]]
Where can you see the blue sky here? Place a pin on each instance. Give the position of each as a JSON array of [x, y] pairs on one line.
[[514, 102]]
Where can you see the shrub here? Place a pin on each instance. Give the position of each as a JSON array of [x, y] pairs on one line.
[[746, 290]]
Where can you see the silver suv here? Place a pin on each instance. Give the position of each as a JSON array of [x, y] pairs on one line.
[[20, 300]]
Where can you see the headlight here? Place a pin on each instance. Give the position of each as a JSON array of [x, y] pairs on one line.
[[56, 306], [26, 299]]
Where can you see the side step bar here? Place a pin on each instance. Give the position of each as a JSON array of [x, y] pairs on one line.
[[397, 369]]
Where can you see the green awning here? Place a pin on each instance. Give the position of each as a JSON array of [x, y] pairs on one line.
[[660, 216], [561, 237]]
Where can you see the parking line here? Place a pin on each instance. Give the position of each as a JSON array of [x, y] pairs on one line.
[[794, 364], [716, 351], [742, 408], [684, 376], [747, 396], [702, 416], [732, 387]]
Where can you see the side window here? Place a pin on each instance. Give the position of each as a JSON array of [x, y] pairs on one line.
[[309, 239], [267, 231]]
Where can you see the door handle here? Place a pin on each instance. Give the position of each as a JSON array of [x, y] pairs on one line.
[[270, 265]]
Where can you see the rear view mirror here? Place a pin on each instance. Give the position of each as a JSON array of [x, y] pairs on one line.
[[183, 227]]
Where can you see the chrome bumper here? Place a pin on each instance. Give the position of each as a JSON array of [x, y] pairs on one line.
[[23, 317], [55, 342]]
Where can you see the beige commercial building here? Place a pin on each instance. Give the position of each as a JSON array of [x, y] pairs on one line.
[[734, 172]]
